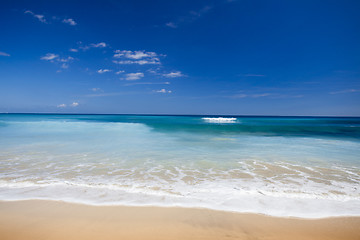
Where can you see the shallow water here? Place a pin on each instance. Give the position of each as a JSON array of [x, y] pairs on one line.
[[282, 166]]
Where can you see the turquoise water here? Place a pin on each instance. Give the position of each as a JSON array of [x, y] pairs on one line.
[[281, 166]]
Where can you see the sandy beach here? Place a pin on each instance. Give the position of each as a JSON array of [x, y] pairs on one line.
[[38, 219]]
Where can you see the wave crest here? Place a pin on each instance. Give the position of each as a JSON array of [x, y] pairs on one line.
[[219, 120]]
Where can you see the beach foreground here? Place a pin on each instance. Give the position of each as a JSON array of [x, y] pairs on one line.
[[40, 219]]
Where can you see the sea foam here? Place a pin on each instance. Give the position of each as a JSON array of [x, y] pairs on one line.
[[219, 120]]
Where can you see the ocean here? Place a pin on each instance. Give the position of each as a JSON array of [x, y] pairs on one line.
[[307, 167]]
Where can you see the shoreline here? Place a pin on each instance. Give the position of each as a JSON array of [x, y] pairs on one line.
[[198, 208], [47, 219]]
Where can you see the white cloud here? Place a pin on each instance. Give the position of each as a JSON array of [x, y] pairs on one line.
[[63, 105], [152, 71], [74, 104], [69, 21], [189, 18], [171, 24], [91, 45], [266, 95], [96, 89], [251, 95], [346, 91], [4, 54], [134, 54], [49, 56], [200, 12], [163, 91], [119, 72], [240, 96], [134, 76], [140, 62], [146, 83], [68, 59], [260, 95], [84, 48], [98, 45], [73, 50], [54, 58], [107, 94], [254, 75], [101, 71], [140, 57], [173, 74], [279, 96], [41, 18]]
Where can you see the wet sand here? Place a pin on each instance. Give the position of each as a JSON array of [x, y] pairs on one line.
[[40, 220]]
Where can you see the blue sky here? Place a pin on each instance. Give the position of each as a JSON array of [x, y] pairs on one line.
[[181, 57]]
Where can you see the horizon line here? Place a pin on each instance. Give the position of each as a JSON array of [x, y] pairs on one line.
[[167, 114]]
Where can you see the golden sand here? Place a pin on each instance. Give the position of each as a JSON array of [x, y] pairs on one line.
[[40, 220]]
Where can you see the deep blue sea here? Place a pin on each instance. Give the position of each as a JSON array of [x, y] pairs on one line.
[[282, 166]]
